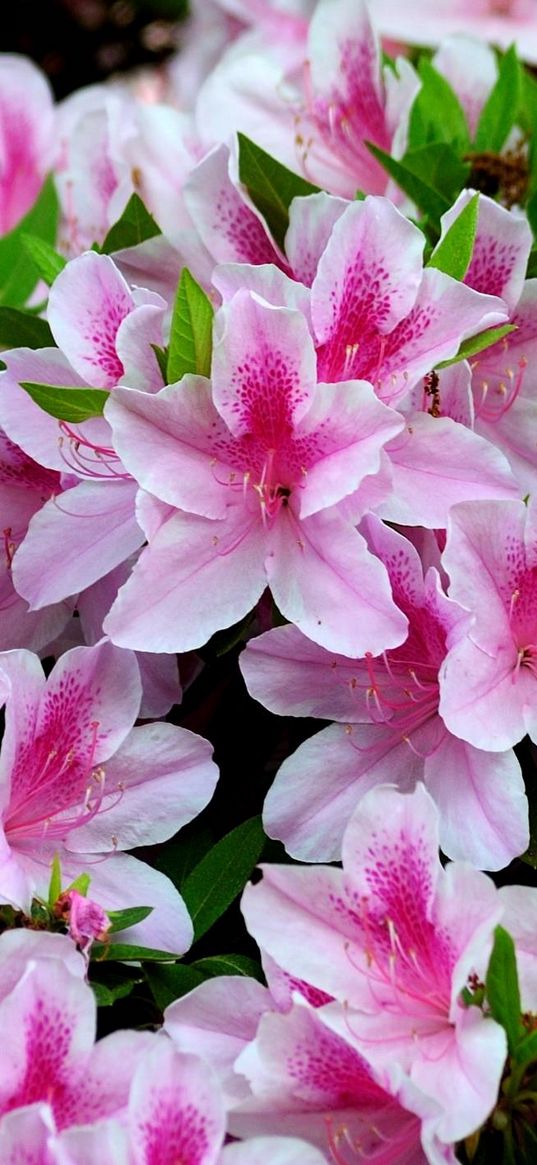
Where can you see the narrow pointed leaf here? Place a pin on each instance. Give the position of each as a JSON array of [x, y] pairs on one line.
[[503, 993], [454, 252], [479, 343], [221, 875], [135, 226], [169, 983], [216, 965], [271, 186], [46, 260], [121, 919], [55, 884], [125, 952], [436, 114], [18, 273], [67, 404], [500, 111], [430, 201], [190, 347], [21, 329]]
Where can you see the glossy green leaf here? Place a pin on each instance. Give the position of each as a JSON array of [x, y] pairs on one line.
[[436, 114], [500, 111], [169, 983], [479, 343], [55, 884], [46, 260], [125, 952], [67, 404], [526, 1051], [21, 329], [121, 919], [271, 186], [190, 348], [454, 252], [430, 201], [502, 990], [113, 987], [82, 884], [135, 226], [18, 273], [216, 965], [221, 875]]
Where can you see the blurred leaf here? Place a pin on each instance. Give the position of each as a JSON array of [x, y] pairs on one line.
[[531, 270], [221, 875], [55, 884], [479, 343], [135, 226], [430, 201], [526, 1051], [454, 252], [169, 983], [21, 329], [125, 952], [436, 114], [67, 404], [500, 111], [161, 356], [503, 994], [270, 185], [107, 993], [82, 884], [18, 272], [46, 260], [190, 348], [121, 919]]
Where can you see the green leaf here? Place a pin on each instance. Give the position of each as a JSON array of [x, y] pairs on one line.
[[46, 260], [531, 211], [531, 270], [429, 200], [270, 185], [221, 875], [454, 252], [216, 965], [67, 404], [178, 857], [18, 272], [107, 993], [503, 994], [21, 329], [191, 329], [500, 111], [55, 884], [436, 114], [121, 919], [479, 343], [526, 1051], [125, 952], [135, 226], [161, 356], [82, 884], [169, 983]]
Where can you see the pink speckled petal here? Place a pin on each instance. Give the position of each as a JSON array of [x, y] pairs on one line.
[[264, 368], [87, 303], [175, 1111]]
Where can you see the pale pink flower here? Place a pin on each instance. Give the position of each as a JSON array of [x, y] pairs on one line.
[[249, 477], [86, 921], [77, 782], [488, 681], [27, 124], [498, 21], [387, 938], [388, 729]]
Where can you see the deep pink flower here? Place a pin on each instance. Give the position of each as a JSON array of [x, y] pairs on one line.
[[26, 136]]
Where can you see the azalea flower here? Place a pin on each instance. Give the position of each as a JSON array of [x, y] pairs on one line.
[[27, 129], [388, 728], [78, 783], [248, 475], [498, 21], [488, 679], [386, 937]]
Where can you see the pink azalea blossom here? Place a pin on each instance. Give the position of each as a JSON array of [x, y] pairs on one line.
[[314, 105], [376, 314], [388, 728], [488, 680], [87, 922], [249, 478], [27, 124], [79, 783], [498, 21], [386, 937], [24, 487]]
